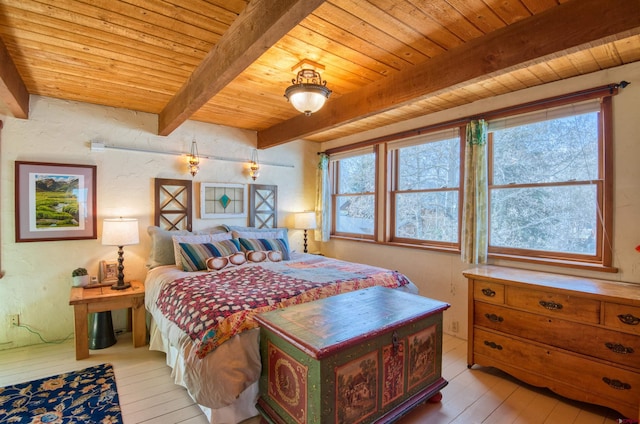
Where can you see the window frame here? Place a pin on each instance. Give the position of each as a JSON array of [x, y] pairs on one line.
[[385, 208], [334, 176], [604, 197], [393, 191]]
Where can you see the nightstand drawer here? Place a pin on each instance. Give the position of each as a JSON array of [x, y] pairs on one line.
[[554, 304]]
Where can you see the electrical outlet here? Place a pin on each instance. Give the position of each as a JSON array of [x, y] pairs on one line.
[[454, 326], [14, 320]]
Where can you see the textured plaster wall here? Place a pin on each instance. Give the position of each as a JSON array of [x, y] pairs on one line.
[[38, 274], [439, 275]]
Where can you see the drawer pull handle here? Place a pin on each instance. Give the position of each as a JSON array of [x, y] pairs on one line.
[[616, 384], [629, 319], [552, 306], [494, 317], [488, 292], [618, 348], [493, 345]]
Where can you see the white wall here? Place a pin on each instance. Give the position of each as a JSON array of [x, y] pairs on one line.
[[38, 274], [439, 275]]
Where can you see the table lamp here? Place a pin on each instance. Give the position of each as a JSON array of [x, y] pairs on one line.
[[305, 221], [120, 232]]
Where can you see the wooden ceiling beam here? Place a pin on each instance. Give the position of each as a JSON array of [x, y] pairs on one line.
[[260, 26], [13, 91], [559, 30]]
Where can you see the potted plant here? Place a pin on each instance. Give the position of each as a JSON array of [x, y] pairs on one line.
[[80, 277]]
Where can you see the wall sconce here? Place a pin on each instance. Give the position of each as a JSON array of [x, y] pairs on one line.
[[254, 167], [194, 159], [308, 92]]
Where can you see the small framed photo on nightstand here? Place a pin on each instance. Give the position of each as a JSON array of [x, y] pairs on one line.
[[108, 272]]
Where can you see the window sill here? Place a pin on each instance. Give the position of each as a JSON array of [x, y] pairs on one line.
[[557, 262], [398, 244]]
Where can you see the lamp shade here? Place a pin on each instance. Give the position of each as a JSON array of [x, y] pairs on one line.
[[120, 232], [305, 220]]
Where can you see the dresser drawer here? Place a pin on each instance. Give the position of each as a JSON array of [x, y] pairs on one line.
[[622, 317], [554, 304], [611, 345], [612, 385], [488, 292]]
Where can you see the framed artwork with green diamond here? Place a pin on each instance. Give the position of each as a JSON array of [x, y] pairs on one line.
[[218, 200]]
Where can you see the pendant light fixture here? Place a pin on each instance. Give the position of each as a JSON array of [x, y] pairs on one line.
[[308, 92]]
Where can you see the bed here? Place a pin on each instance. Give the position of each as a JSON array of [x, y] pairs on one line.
[[202, 319]]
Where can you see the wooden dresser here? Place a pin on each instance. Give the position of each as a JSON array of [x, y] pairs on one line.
[[579, 337], [361, 357]]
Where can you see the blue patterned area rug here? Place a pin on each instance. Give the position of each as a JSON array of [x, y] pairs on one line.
[[85, 396]]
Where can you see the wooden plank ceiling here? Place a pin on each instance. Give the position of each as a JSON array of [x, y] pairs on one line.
[[228, 62]]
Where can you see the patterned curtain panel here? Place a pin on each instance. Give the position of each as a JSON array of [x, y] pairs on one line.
[[474, 213], [323, 200]]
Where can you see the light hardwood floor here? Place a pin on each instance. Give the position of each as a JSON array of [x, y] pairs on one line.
[[147, 394]]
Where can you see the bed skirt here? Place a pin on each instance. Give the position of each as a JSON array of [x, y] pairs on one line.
[[242, 409]]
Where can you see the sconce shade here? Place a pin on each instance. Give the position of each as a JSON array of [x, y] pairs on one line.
[[305, 220], [120, 232], [308, 92]]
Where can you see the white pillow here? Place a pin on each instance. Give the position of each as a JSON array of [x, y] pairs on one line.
[[195, 239]]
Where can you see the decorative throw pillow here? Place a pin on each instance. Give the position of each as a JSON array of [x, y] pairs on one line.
[[216, 264], [194, 255], [262, 256], [274, 255], [193, 238], [266, 244], [162, 251]]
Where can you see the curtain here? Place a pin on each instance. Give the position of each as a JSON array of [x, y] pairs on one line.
[[475, 209], [323, 200]]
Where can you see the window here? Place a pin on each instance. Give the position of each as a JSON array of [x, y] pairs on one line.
[[546, 184], [549, 183], [425, 194], [354, 199]]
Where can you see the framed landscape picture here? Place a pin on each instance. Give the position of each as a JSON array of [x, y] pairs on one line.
[[55, 201]]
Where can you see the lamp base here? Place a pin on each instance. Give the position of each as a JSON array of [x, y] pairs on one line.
[[118, 286]]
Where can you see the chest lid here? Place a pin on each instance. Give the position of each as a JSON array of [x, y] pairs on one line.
[[326, 326]]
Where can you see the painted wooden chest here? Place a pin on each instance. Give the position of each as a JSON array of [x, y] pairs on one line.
[[361, 357]]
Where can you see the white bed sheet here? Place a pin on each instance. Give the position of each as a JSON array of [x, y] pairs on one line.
[[225, 382]]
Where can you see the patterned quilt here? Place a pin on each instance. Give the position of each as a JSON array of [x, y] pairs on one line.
[[213, 307]]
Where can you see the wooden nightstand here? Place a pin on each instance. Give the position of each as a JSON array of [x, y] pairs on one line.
[[100, 299]]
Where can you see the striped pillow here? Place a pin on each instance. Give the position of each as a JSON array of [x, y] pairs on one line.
[[266, 244], [194, 256]]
